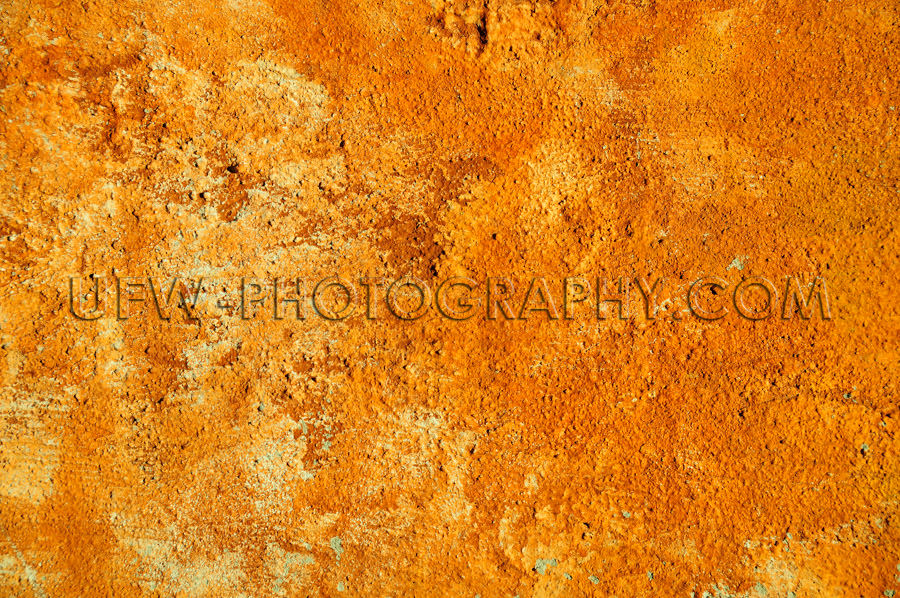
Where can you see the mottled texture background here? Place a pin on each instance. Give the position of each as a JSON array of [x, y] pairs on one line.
[[442, 138]]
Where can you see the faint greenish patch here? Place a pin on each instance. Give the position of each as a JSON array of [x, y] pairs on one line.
[[650, 575], [542, 565], [594, 579], [761, 589], [567, 576], [341, 587], [286, 567], [737, 263], [720, 592], [336, 547], [626, 514], [195, 578], [889, 593], [30, 574]]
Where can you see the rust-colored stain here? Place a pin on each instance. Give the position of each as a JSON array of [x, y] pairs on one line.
[[666, 456]]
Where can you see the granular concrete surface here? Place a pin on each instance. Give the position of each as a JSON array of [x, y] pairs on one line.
[[657, 353]]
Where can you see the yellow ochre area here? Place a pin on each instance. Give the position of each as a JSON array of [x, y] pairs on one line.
[[648, 452]]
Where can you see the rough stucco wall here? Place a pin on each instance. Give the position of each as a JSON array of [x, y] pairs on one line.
[[440, 458]]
